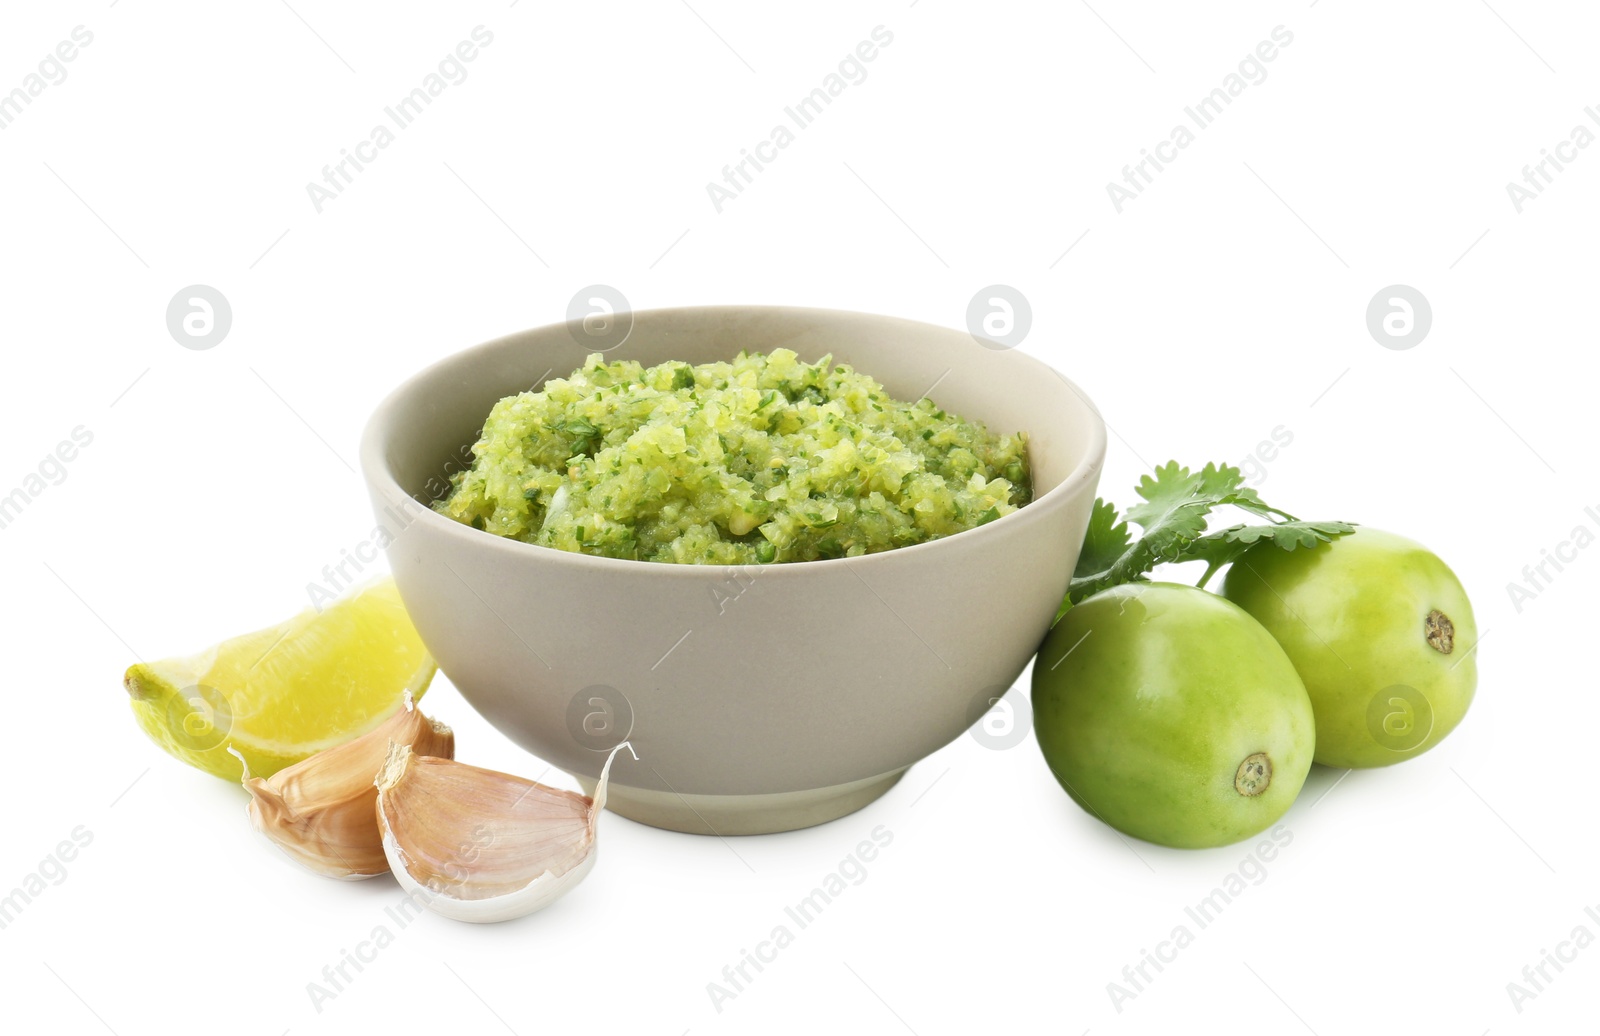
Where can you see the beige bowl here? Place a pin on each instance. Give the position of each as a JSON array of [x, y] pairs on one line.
[[759, 698]]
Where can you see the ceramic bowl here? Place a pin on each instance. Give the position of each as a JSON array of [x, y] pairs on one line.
[[758, 698]]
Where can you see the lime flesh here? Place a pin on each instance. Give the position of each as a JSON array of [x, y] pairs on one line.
[[281, 694]]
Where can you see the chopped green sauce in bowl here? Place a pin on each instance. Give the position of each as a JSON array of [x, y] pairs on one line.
[[761, 459]]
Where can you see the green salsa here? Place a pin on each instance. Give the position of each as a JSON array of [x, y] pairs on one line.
[[759, 460]]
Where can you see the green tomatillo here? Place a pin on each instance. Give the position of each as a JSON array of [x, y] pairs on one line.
[[1381, 632], [1172, 715]]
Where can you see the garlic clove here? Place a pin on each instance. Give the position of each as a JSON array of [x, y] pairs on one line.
[[322, 810], [479, 845]]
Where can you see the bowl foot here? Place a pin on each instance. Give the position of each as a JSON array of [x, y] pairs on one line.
[[743, 814]]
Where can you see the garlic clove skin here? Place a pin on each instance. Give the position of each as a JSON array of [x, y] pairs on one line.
[[483, 846], [321, 811]]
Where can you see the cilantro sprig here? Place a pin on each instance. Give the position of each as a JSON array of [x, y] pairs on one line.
[[1172, 520]]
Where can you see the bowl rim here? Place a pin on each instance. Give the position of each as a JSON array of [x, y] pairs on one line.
[[379, 475]]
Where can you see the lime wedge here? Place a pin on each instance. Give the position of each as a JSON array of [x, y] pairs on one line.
[[286, 692]]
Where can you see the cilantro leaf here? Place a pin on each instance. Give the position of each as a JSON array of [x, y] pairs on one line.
[[1106, 540], [1171, 516], [1107, 556], [1175, 502], [1223, 548], [1212, 486]]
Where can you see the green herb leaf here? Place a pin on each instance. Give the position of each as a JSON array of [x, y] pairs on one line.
[[1172, 521], [579, 427], [1176, 502], [1180, 500], [1223, 548], [1106, 545]]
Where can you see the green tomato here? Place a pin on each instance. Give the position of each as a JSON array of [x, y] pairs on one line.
[[1171, 715], [1381, 632]]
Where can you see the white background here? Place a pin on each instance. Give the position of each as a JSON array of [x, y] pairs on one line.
[[1226, 301]]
